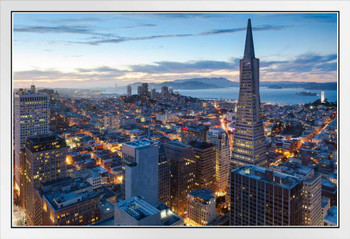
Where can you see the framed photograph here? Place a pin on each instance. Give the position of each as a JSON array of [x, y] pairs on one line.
[[167, 119]]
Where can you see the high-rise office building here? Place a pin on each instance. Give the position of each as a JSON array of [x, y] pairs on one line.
[[312, 196], [31, 117], [32, 89], [144, 89], [153, 93], [164, 91], [129, 90], [45, 162], [163, 176], [248, 139], [219, 138], [260, 196], [141, 170], [139, 90], [205, 157], [182, 169], [200, 207], [193, 133]]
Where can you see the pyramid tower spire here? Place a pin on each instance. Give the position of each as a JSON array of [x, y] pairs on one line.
[[249, 45]]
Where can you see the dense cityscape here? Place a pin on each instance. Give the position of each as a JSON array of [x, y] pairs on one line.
[[159, 158]]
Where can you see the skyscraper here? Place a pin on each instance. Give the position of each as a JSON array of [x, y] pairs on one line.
[[205, 157], [219, 138], [249, 141], [129, 90], [141, 170], [163, 176], [31, 118], [45, 162], [260, 196], [182, 169], [312, 198]]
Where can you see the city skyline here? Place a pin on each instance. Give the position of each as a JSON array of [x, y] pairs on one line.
[[88, 50], [156, 158]]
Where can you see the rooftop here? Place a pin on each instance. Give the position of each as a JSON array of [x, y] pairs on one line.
[[178, 145], [137, 208], [45, 142], [138, 143], [167, 216], [201, 145], [204, 194], [331, 216], [269, 176], [66, 192]]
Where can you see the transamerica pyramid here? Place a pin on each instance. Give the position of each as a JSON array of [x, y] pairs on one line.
[[248, 138]]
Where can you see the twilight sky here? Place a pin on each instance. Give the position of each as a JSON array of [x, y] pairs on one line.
[[82, 50]]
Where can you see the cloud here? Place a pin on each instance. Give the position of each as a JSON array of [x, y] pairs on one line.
[[101, 74], [55, 29], [323, 18], [102, 69], [304, 63], [169, 66], [306, 67], [181, 15], [141, 25], [119, 39]]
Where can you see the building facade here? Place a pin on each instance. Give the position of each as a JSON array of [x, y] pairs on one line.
[[201, 207], [163, 176], [261, 197], [219, 138], [205, 157], [248, 138], [129, 90], [112, 123], [197, 133], [182, 178], [312, 196], [45, 162], [141, 170], [31, 118], [69, 201]]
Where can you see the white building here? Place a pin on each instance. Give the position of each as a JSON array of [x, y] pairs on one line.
[[166, 117], [112, 123], [200, 207], [141, 170], [322, 96], [219, 138], [95, 180], [31, 118]]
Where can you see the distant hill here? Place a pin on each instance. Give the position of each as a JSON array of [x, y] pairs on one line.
[[191, 84], [220, 82]]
